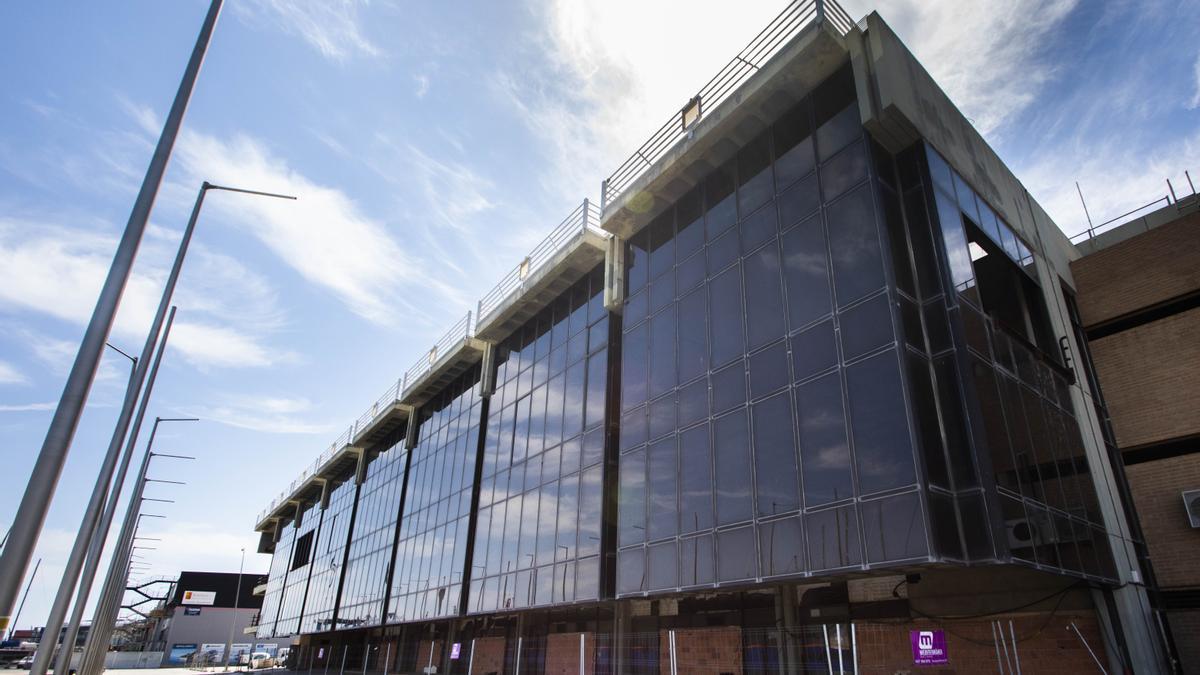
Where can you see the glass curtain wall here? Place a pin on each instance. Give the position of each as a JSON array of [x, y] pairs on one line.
[[328, 558], [537, 538], [299, 568], [432, 548], [764, 430], [373, 537], [992, 373], [275, 581]]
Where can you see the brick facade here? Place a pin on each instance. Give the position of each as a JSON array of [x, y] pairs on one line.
[[488, 656], [1174, 544], [703, 650], [1139, 272], [1049, 647], [1149, 378], [562, 653]]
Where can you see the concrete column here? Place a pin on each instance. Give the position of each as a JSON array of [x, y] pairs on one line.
[[326, 488], [410, 438], [360, 471], [299, 516], [614, 275], [620, 641], [488, 370]]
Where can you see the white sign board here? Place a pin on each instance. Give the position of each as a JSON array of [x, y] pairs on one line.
[[199, 597]]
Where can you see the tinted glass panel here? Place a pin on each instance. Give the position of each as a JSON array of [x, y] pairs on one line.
[[775, 456], [806, 273], [833, 539], [879, 425], [894, 528], [731, 439], [824, 453], [854, 244]]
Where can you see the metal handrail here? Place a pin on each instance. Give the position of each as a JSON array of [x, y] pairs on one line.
[[798, 15], [1092, 231], [585, 217], [459, 332]]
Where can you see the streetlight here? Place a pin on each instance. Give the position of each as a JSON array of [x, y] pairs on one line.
[[94, 530], [109, 604], [233, 622], [89, 529], [35, 503]]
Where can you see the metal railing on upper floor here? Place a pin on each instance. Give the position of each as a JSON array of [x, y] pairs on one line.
[[798, 15], [585, 217]]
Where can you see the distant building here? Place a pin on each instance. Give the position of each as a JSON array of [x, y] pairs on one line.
[[1139, 305], [798, 397], [196, 620]]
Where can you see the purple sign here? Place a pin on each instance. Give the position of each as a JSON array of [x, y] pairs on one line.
[[928, 647], [455, 650]]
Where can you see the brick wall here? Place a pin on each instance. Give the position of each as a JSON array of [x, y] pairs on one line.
[[1150, 376], [423, 654], [1185, 627], [1145, 270], [562, 653], [1049, 648], [703, 650], [489, 656], [1174, 545]]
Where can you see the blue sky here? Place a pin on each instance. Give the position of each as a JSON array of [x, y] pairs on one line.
[[431, 145]]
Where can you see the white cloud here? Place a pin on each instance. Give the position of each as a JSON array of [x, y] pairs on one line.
[[28, 407], [10, 375], [615, 74], [985, 55], [58, 271], [332, 27], [266, 414], [1116, 173], [422, 85], [324, 235]]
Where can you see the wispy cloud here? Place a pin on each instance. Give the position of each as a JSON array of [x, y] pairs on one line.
[[332, 27], [27, 407], [422, 88], [988, 56], [325, 236], [10, 375], [266, 414], [57, 271]]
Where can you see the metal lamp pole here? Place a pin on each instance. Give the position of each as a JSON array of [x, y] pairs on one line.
[[92, 535], [94, 529], [114, 586], [233, 622], [31, 514]]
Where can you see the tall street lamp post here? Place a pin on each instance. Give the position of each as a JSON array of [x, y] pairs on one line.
[[31, 514]]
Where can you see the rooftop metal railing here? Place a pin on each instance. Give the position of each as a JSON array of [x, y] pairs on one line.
[[585, 216], [1181, 203], [458, 333], [798, 15]]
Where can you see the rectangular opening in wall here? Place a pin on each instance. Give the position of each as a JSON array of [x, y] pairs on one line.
[[303, 551]]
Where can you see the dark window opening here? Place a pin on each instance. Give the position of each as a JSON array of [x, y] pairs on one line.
[[1009, 296], [303, 551]]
